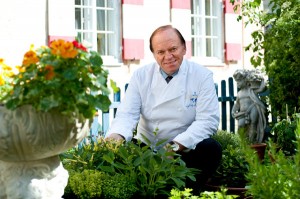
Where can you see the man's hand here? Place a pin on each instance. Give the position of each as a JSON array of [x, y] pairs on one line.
[[179, 147], [115, 137]]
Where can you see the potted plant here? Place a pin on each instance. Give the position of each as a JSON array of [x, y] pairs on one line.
[[231, 172], [46, 104]]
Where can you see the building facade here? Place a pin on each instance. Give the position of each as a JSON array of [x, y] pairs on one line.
[[120, 29]]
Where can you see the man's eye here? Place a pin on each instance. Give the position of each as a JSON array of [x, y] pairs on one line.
[[173, 49]]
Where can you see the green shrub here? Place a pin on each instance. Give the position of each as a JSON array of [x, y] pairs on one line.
[[275, 178], [96, 184], [118, 186], [86, 184], [283, 135], [275, 47], [233, 167], [282, 56]]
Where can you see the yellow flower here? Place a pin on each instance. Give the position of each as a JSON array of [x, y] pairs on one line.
[[20, 69], [4, 67], [5, 71], [63, 48], [2, 82]]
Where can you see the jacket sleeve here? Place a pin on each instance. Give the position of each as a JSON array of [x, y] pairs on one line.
[[207, 117], [128, 112]]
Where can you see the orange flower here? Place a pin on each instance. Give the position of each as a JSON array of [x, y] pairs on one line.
[[63, 48], [49, 72], [30, 57]]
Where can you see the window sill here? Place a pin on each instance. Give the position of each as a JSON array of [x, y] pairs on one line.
[[110, 61], [208, 61]]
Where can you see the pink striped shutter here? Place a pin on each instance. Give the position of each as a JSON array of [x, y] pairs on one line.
[[133, 48], [184, 23], [233, 34]]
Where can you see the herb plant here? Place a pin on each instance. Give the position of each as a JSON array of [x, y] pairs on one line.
[[153, 172]]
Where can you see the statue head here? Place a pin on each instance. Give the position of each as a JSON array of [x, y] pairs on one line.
[[249, 79], [240, 77]]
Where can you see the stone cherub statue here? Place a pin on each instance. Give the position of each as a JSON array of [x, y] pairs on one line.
[[248, 108]]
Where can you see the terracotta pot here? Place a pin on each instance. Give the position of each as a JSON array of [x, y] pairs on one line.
[[30, 143], [260, 150]]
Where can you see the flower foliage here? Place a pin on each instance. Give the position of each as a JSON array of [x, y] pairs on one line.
[[63, 77]]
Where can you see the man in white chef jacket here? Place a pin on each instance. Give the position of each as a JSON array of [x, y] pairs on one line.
[[184, 108]]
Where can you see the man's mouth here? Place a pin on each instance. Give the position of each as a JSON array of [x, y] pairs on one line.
[[170, 63]]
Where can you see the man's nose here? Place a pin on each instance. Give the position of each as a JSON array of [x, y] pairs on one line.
[[168, 55]]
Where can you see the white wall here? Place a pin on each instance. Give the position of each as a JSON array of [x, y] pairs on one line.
[[61, 18], [22, 22]]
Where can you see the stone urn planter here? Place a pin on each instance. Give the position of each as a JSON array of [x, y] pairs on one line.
[[30, 144]]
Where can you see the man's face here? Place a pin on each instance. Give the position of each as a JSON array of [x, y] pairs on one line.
[[168, 50]]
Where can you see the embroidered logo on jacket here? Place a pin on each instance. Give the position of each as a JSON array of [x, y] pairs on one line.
[[193, 100]]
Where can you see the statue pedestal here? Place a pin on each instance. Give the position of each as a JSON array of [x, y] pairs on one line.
[[43, 179], [30, 143]]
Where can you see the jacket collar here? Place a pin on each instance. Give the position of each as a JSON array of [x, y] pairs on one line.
[[163, 91]]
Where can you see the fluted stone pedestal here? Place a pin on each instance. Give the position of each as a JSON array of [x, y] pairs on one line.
[[30, 143]]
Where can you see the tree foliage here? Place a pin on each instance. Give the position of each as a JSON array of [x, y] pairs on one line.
[[276, 45]]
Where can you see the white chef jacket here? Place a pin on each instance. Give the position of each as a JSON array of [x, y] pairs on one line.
[[185, 110]]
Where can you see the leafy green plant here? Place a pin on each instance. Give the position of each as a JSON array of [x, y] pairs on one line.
[[283, 135], [278, 178], [233, 167], [89, 156], [153, 172], [187, 194]]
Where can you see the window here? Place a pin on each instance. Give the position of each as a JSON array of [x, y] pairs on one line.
[[98, 23], [207, 28]]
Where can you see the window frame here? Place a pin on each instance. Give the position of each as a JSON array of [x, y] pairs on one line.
[[88, 32], [200, 31]]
